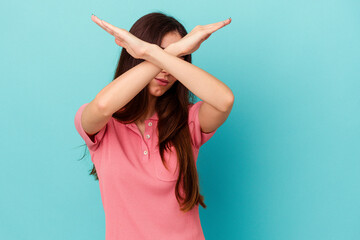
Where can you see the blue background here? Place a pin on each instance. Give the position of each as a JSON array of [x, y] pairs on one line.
[[285, 164]]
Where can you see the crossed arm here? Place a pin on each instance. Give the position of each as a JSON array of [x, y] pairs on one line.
[[218, 98]]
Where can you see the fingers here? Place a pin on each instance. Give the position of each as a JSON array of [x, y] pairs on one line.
[[110, 27], [105, 25], [216, 26], [99, 22]]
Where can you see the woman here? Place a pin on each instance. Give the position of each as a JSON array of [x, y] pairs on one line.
[[144, 135]]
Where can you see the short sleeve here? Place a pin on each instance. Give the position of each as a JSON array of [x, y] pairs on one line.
[[198, 137], [98, 137]]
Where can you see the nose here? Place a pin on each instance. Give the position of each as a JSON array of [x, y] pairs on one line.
[[164, 71]]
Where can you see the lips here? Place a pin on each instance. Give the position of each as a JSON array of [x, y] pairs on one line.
[[163, 80]]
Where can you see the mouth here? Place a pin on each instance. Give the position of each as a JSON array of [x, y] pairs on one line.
[[162, 80]]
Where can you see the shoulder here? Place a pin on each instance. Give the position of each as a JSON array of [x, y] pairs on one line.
[[194, 109]]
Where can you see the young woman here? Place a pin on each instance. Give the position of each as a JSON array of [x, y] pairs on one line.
[[144, 134]]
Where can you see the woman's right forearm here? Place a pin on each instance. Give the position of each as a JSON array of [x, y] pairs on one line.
[[125, 87]]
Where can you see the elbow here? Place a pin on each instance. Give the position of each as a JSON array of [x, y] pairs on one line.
[[102, 107], [229, 102]]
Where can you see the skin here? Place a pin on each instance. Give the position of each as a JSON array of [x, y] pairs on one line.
[[154, 88], [218, 98]]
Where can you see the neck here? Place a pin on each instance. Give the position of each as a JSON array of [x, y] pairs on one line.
[[151, 110]]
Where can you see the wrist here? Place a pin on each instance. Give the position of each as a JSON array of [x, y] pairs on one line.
[[173, 49], [156, 55]]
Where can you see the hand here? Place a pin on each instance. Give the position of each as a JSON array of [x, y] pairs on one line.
[[191, 42], [133, 45]]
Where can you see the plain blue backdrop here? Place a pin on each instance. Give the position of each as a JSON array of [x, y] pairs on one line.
[[284, 166]]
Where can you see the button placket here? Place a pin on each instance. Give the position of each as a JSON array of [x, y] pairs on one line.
[[147, 136], [147, 130]]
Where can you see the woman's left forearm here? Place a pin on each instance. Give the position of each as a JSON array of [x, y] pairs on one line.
[[204, 85]]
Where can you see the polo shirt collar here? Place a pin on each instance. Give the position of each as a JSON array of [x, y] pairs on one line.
[[154, 117]]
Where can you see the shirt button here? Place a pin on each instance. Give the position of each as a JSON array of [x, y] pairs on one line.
[[148, 136], [145, 152], [150, 123]]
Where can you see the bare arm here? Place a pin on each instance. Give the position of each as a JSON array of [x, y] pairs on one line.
[[118, 93], [201, 83], [124, 88], [217, 96]]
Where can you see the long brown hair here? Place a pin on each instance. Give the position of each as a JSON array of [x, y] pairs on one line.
[[171, 107]]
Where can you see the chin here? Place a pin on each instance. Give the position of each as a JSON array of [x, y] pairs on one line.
[[157, 92]]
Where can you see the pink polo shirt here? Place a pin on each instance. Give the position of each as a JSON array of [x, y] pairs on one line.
[[137, 191]]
